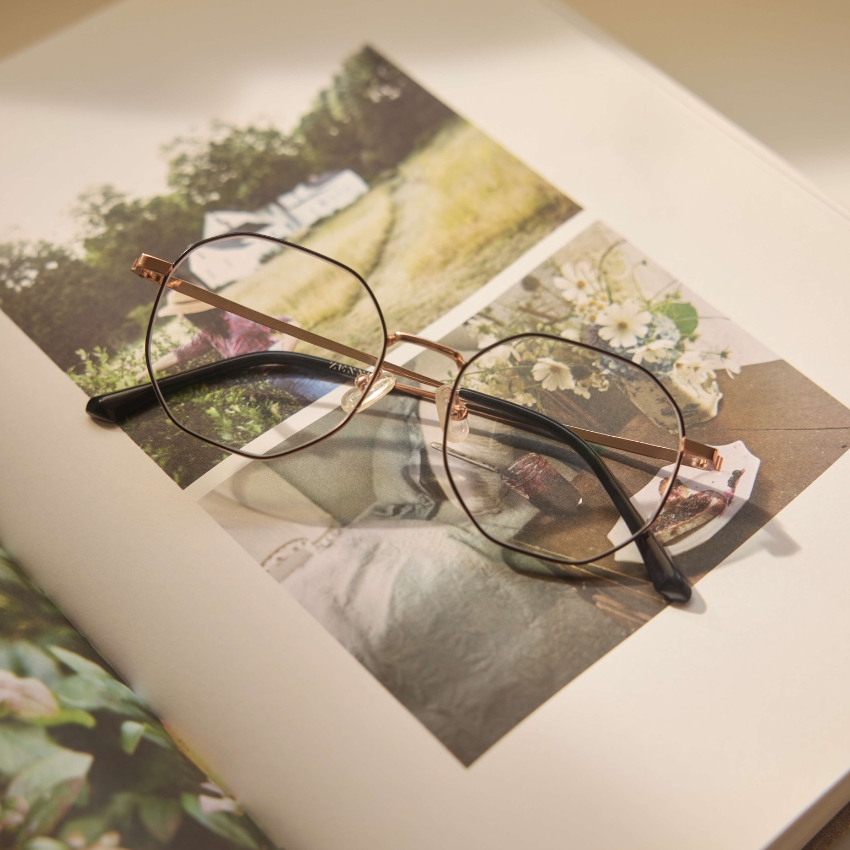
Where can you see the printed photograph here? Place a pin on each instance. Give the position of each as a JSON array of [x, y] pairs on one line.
[[366, 531], [378, 174], [83, 764]]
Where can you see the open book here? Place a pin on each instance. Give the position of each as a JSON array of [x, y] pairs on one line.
[[329, 632]]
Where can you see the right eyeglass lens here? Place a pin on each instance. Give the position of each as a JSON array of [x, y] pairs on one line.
[[233, 381], [525, 478]]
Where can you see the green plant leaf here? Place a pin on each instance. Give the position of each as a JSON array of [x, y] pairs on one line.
[[683, 314], [221, 823], [50, 807], [22, 744], [131, 734], [79, 664], [45, 843], [84, 797], [82, 693], [93, 688], [157, 735], [161, 816], [90, 827], [67, 715], [8, 575], [33, 661], [40, 776]]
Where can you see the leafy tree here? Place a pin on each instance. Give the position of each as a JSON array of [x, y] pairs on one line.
[[117, 229], [393, 114], [332, 135], [57, 299], [64, 302], [238, 168], [369, 119]]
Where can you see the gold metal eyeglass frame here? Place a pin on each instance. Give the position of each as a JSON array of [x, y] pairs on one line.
[[694, 454], [453, 406]]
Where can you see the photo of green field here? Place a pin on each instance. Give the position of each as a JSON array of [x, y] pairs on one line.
[[424, 238], [440, 210]]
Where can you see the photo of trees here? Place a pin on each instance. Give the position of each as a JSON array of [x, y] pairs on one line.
[[446, 209]]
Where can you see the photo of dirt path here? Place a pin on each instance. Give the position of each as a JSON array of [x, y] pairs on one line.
[[453, 215]]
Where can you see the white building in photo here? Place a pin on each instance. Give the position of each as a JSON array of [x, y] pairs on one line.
[[313, 201], [289, 214], [271, 220]]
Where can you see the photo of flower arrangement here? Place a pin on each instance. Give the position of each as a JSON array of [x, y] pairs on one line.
[[621, 303], [84, 765]]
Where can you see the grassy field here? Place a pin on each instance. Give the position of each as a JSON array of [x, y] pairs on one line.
[[456, 213]]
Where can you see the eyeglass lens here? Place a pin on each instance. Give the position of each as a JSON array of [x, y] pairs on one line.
[[270, 376], [526, 482]]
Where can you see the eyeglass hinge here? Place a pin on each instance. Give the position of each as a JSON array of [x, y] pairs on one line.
[[152, 268], [700, 456]]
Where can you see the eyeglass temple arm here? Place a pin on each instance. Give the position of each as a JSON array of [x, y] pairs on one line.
[[111, 408], [663, 573], [142, 267], [695, 454], [156, 270]]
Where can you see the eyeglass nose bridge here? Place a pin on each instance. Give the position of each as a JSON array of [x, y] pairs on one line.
[[401, 336], [458, 426]]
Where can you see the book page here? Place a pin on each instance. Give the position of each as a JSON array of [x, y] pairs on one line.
[[327, 629]]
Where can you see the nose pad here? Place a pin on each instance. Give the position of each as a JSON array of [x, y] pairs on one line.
[[382, 385], [458, 429]]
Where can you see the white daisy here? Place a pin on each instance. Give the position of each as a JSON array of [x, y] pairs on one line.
[[525, 399], [599, 381], [495, 358], [553, 375], [577, 283], [717, 360], [694, 362], [572, 331], [729, 363], [483, 330], [623, 324], [653, 352]]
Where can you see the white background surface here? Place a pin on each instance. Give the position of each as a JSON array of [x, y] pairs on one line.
[[780, 69]]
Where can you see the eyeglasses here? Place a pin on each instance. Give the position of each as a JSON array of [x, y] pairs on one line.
[[545, 440]]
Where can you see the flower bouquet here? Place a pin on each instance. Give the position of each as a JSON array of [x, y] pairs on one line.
[[604, 303]]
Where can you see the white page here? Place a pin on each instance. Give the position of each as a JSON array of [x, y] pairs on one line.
[[665, 742]]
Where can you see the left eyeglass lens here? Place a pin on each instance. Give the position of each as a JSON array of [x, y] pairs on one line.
[[232, 380]]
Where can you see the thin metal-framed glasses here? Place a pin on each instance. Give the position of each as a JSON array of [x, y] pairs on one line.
[[546, 441]]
